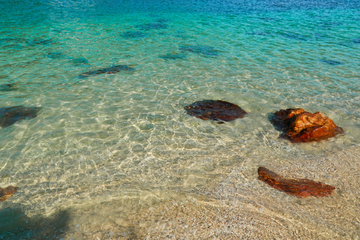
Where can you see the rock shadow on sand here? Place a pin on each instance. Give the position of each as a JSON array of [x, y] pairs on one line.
[[15, 224]]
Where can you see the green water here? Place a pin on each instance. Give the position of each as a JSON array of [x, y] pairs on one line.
[[109, 147]]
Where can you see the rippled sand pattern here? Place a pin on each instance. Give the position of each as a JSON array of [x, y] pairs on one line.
[[115, 156]]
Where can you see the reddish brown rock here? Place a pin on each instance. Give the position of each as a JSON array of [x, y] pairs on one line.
[[7, 192], [301, 188], [215, 110], [302, 126]]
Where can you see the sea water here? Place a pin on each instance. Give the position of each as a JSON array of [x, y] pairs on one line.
[[115, 156]]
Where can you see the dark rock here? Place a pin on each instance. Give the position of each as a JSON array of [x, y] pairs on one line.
[[10, 115], [79, 61], [17, 40], [215, 110], [356, 40], [202, 50], [258, 33], [170, 56], [40, 42], [150, 26], [56, 55], [7, 87], [109, 70], [301, 188], [133, 34], [331, 62], [7, 192], [293, 36], [162, 20], [301, 126]]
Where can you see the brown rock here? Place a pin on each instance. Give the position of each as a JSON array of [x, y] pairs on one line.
[[7, 192], [215, 110], [302, 126], [301, 188]]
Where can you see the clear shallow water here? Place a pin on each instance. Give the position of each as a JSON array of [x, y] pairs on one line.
[[116, 156]]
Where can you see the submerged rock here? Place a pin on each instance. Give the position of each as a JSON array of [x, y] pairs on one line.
[[133, 34], [56, 55], [162, 20], [293, 36], [215, 110], [109, 70], [302, 126], [258, 33], [40, 42], [202, 50], [10, 115], [7, 192], [356, 40], [170, 56], [301, 188], [79, 61], [150, 26], [331, 62], [7, 87]]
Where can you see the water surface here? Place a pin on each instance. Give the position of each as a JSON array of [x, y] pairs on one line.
[[116, 155]]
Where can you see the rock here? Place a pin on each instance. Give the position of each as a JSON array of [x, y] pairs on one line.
[[10, 115], [331, 62], [202, 50], [79, 61], [7, 192], [170, 56], [301, 126], [215, 110], [150, 26], [301, 188], [356, 40], [293, 36], [56, 55], [7, 87], [40, 42], [109, 70], [133, 34]]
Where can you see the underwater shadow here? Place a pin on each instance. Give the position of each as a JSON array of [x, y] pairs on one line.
[[15, 224]]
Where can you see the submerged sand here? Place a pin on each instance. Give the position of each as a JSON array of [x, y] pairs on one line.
[[235, 206]]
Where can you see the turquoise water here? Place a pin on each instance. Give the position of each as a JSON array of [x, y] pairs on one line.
[[109, 154]]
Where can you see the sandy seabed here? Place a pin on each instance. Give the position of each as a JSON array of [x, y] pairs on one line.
[[239, 206]]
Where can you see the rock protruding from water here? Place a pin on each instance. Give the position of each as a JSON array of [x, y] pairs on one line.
[[301, 126], [301, 188], [109, 70], [7, 192], [10, 115], [215, 110]]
